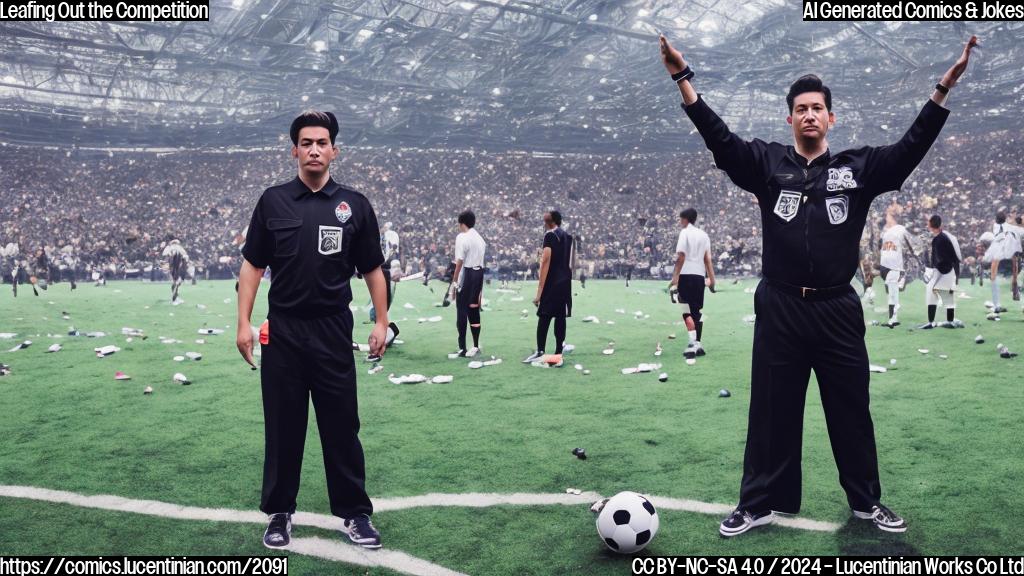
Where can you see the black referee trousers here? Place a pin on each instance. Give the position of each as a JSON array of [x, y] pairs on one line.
[[311, 357], [793, 336]]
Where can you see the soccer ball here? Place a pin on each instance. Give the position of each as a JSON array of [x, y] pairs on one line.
[[627, 523]]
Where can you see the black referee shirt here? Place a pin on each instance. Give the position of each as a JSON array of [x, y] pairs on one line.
[[313, 243], [813, 214], [559, 268]]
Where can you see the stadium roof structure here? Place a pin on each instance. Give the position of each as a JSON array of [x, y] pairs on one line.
[[551, 75]]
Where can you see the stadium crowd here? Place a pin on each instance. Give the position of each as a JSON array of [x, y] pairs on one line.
[[113, 213]]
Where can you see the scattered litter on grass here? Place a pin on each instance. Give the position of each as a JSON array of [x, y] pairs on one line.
[[641, 368]]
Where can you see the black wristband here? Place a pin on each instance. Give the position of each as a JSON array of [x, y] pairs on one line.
[[942, 89], [685, 74]]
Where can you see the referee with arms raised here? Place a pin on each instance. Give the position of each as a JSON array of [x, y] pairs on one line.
[[813, 208], [314, 234]]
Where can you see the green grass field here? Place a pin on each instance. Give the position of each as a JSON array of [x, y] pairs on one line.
[[948, 431]]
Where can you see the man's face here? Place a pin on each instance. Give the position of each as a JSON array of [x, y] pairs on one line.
[[810, 118], [548, 221], [314, 150]]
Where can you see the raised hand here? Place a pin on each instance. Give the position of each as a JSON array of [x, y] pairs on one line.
[[671, 58], [957, 70]]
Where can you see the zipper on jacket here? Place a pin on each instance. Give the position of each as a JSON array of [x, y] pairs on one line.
[[807, 224]]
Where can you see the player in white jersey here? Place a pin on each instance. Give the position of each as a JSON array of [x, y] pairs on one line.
[[468, 282], [177, 260], [390, 247], [892, 263], [1005, 245], [693, 271]]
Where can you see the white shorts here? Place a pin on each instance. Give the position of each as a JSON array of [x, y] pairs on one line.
[[942, 282]]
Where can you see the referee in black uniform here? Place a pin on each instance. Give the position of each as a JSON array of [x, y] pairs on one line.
[[813, 208], [314, 234]]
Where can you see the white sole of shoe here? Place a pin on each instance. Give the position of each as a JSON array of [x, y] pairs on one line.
[[346, 532], [765, 520], [892, 529]]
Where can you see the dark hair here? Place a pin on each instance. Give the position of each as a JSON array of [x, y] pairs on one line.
[[808, 83], [690, 214], [556, 216], [467, 218], [1000, 217], [935, 221], [314, 118]]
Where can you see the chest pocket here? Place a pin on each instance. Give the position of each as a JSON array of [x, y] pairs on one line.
[[838, 208], [286, 236], [787, 204]]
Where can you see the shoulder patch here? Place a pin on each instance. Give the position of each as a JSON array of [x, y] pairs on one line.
[[343, 212]]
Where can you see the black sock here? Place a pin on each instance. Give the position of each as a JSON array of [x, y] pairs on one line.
[[892, 310], [950, 314], [931, 312], [700, 328], [542, 331], [559, 334], [476, 335]]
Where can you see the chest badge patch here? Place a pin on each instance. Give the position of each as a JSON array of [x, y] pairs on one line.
[[838, 208], [343, 212], [330, 240], [787, 205], [840, 179]]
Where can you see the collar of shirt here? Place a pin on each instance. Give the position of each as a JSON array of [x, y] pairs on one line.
[[823, 158], [298, 188]]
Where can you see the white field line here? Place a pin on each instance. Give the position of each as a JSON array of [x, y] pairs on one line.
[[344, 552]]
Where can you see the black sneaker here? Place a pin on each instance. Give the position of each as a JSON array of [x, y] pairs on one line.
[[533, 357], [691, 352], [360, 531], [926, 326], [884, 519], [700, 349], [891, 323], [279, 532], [741, 520]]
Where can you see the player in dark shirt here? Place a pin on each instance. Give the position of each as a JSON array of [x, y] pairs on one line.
[[942, 275], [814, 204], [554, 288]]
